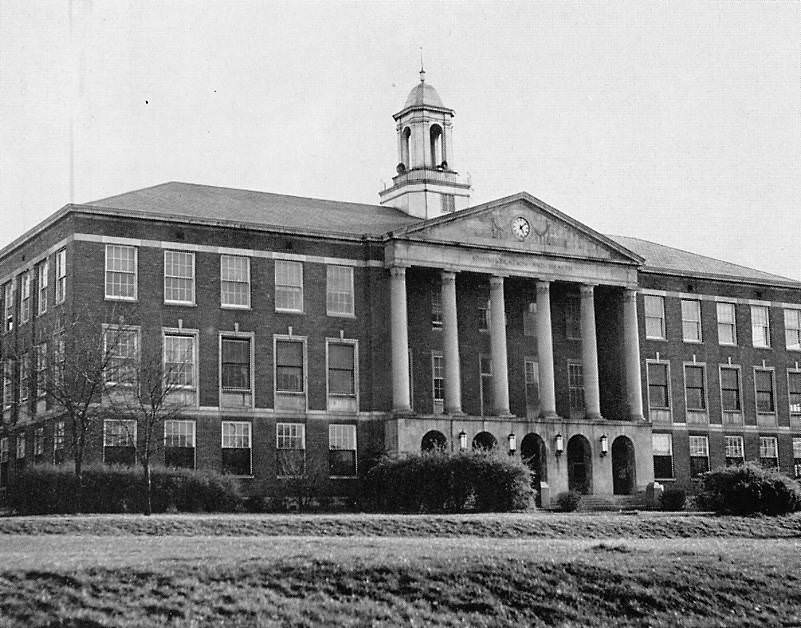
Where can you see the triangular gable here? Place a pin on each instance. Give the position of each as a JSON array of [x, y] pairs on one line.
[[548, 230]]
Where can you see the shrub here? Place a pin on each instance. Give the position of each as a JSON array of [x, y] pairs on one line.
[[568, 501], [49, 489], [673, 499], [446, 482], [749, 489]]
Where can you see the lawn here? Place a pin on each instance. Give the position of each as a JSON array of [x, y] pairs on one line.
[[324, 570]]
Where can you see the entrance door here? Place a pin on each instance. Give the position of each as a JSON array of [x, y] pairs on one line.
[[579, 465], [532, 452], [623, 470]]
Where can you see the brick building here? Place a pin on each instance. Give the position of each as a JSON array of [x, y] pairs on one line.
[[313, 334]]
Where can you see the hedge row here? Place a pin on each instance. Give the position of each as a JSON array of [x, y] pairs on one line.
[[447, 482], [749, 489], [49, 489]]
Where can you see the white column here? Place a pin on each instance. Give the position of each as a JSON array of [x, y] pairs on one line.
[[631, 348], [589, 354], [450, 331], [500, 367], [400, 341], [545, 351]]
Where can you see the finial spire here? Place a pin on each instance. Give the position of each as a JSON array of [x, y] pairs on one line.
[[422, 69]]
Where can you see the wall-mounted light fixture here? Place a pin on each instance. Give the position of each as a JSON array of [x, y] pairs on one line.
[[512, 443], [604, 445], [559, 445], [462, 440]]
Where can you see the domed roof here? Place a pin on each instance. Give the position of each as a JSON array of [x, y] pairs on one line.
[[423, 94]]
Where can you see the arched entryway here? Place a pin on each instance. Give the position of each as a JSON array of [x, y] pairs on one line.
[[484, 441], [532, 452], [433, 441], [579, 465], [623, 470]]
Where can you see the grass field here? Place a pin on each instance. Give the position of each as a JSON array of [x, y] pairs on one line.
[[252, 570]]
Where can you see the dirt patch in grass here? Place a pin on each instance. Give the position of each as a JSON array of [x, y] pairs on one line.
[[515, 525], [588, 584]]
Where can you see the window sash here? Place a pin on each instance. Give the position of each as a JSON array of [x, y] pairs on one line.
[[794, 387], [20, 450], [61, 275], [289, 366], [760, 326], [179, 277], [573, 318], [341, 369], [662, 444], [9, 298], [119, 433], [699, 446], [654, 317], [727, 324], [8, 383], [768, 447], [121, 271], [288, 286], [436, 306], [236, 435], [179, 360], [691, 320], [730, 389], [796, 446], [339, 290], [290, 436], [438, 377], [658, 386], [792, 329], [44, 271], [695, 387], [234, 281], [575, 383], [341, 437], [25, 300], [235, 364], [763, 385], [734, 447]]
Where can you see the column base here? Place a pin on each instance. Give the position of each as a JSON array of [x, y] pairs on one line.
[[458, 412], [593, 417], [549, 415], [636, 417], [504, 414], [402, 411]]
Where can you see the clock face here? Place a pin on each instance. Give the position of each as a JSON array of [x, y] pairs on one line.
[[521, 228]]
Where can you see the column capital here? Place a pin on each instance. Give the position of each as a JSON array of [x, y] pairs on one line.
[[587, 289], [629, 294], [397, 271], [543, 287], [496, 280], [447, 276]]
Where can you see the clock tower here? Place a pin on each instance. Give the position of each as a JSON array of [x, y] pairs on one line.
[[425, 185]]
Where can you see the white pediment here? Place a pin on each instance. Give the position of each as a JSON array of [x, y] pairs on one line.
[[524, 224]]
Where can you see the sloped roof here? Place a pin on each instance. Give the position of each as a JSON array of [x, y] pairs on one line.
[[423, 94], [666, 259], [208, 203]]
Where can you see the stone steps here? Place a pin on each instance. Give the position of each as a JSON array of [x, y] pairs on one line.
[[613, 503]]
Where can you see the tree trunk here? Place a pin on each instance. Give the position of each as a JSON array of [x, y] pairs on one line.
[[78, 502], [148, 503]]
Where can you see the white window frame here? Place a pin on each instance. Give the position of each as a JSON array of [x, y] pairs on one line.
[[738, 446], [191, 279], [329, 269], [26, 282], [789, 373], [116, 329], [734, 367], [59, 436], [42, 283], [792, 334], [250, 337], [481, 376], [696, 322], [437, 356], [484, 316], [187, 333], [4, 450], [38, 442], [21, 446], [437, 316], [663, 324], [61, 276], [9, 304], [733, 323], [763, 448], [571, 387], [669, 440], [279, 428], [248, 432], [24, 377], [702, 366], [299, 339], [193, 434], [573, 317], [336, 431], [8, 384], [666, 364], [764, 327], [699, 452], [283, 287], [772, 371], [106, 442], [355, 345], [223, 281], [135, 273], [41, 370]]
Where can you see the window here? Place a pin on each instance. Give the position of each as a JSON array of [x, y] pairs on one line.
[[20, 446], [9, 295], [3, 462], [291, 449], [573, 318], [658, 386], [41, 370], [235, 367], [796, 456], [530, 320], [58, 442], [44, 271], [763, 383], [121, 272], [699, 455], [289, 286], [691, 320], [24, 374], [339, 290], [438, 378], [8, 384], [179, 444], [695, 387], [734, 450], [289, 366], [121, 346], [341, 369], [654, 317], [662, 445], [38, 444], [342, 450], [25, 301], [792, 329], [794, 389], [531, 373], [730, 389], [179, 277], [768, 452], [61, 276], [236, 457], [448, 203], [234, 281], [436, 307], [4, 449], [727, 324], [59, 357], [119, 441], [575, 385], [179, 360], [760, 326], [487, 396]]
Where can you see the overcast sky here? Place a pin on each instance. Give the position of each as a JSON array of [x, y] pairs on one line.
[[677, 122]]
